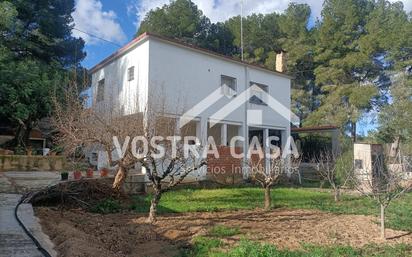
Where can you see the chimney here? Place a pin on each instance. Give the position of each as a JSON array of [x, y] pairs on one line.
[[281, 60]]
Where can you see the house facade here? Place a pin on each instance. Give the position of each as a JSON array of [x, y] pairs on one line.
[[151, 65]]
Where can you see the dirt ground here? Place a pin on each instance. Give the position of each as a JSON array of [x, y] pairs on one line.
[[79, 233]]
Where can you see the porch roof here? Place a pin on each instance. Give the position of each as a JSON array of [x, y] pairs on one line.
[[324, 128]]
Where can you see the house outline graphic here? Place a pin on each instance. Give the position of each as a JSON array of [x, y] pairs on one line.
[[234, 104]]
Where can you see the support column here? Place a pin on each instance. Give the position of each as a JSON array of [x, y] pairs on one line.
[[223, 134], [244, 145], [177, 127], [285, 134], [335, 142], [198, 131], [201, 131], [201, 134], [266, 149], [245, 134], [283, 138], [240, 133]]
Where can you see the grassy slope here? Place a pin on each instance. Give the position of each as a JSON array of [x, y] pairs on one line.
[[187, 200]]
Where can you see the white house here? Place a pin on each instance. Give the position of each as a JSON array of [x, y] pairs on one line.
[[188, 74]]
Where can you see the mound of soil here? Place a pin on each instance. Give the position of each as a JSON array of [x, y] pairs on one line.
[[79, 233]]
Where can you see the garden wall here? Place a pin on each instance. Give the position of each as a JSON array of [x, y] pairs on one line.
[[31, 163], [226, 169]]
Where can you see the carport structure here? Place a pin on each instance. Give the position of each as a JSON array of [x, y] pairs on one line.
[[312, 140]]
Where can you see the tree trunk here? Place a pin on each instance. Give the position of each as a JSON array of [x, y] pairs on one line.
[[383, 236], [18, 140], [321, 184], [267, 198], [337, 194], [26, 136], [120, 178], [22, 136], [353, 132], [153, 206]]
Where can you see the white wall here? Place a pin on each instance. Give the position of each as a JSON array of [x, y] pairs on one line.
[[119, 92], [187, 76], [363, 152]]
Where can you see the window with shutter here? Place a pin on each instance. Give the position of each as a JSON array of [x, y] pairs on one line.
[[228, 86], [130, 73], [100, 91], [259, 96]]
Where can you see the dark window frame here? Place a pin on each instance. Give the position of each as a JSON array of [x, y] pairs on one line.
[[100, 90], [130, 73], [359, 164]]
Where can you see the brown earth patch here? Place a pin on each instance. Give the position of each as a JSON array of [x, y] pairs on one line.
[[79, 233]]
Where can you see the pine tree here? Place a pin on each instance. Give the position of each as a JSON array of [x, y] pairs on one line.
[[36, 49]]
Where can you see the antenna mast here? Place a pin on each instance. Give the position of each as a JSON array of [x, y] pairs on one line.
[[241, 29]]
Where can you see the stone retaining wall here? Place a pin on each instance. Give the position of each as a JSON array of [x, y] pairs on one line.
[[31, 163]]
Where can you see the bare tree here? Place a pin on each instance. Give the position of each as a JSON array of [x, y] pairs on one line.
[[178, 160], [94, 128], [335, 170], [166, 173], [147, 138], [384, 181], [268, 174]]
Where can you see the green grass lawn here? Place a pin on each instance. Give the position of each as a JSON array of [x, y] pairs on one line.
[[213, 245], [399, 214]]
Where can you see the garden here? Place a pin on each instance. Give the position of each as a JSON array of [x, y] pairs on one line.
[[231, 222]]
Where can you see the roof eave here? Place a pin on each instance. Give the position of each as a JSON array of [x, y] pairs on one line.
[[143, 37]]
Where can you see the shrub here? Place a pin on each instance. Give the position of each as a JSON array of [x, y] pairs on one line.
[[107, 206]]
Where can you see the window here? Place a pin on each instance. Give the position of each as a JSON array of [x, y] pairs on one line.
[[94, 157], [100, 91], [259, 94], [130, 73], [228, 85], [358, 164]]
